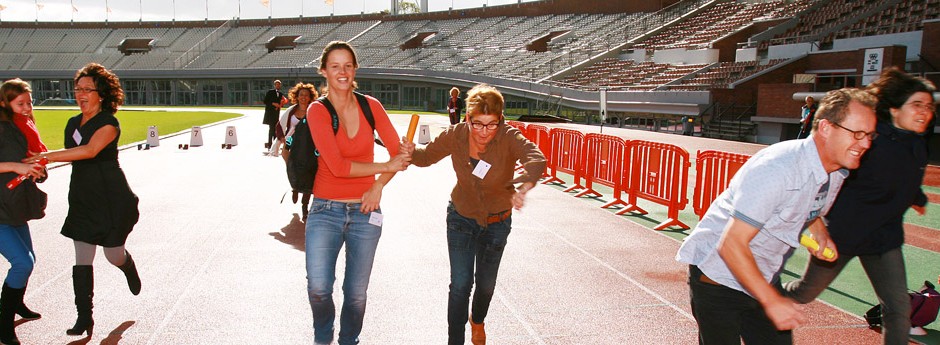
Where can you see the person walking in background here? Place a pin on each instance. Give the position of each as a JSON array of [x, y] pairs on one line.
[[807, 114], [272, 105], [102, 207], [483, 151], [300, 95], [455, 106], [737, 251], [16, 244], [867, 220], [345, 209]]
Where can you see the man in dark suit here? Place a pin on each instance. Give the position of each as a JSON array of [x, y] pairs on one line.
[[272, 107]]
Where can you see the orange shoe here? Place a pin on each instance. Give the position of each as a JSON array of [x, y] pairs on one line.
[[477, 333]]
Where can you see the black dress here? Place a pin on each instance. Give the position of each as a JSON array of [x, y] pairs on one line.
[[102, 207]]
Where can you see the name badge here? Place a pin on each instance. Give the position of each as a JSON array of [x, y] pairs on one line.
[[77, 137], [375, 218], [481, 169]]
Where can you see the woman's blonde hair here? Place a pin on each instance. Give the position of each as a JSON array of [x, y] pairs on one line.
[[484, 99]]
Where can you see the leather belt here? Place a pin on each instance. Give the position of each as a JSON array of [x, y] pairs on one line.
[[498, 217], [705, 279]]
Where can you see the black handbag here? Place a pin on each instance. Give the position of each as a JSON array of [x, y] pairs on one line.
[[36, 201]]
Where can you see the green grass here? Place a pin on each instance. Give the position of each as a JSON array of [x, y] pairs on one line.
[[134, 123]]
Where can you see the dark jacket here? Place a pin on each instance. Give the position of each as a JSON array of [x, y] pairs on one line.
[[270, 111], [13, 203], [458, 109], [868, 216], [474, 197]]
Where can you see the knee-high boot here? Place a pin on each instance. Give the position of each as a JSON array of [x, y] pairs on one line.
[[83, 281], [130, 272], [24, 312], [10, 300]]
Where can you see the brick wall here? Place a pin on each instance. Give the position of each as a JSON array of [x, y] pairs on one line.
[[776, 100]]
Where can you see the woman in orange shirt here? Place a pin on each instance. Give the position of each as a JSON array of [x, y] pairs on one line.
[[345, 209]]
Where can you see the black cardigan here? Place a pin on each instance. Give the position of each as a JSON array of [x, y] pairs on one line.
[[868, 215]]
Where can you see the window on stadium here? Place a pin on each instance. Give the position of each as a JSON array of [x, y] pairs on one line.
[[135, 92], [213, 92], [238, 92], [387, 94], [414, 98], [161, 92], [186, 92]]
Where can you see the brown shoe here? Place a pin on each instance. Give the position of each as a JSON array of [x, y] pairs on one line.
[[477, 333]]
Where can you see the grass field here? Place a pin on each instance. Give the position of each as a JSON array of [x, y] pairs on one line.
[[134, 123]]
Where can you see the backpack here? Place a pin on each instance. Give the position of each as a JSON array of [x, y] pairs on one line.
[[302, 163], [924, 307]]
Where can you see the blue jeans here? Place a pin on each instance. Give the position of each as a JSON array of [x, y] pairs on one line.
[[16, 246], [888, 277], [468, 243], [726, 316], [329, 225]]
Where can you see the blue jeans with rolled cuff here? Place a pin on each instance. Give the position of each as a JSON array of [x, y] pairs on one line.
[[472, 246], [330, 225], [16, 246]]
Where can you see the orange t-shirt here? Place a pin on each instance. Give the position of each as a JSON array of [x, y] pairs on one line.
[[337, 152]]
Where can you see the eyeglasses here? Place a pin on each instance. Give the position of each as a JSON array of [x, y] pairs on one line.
[[922, 106], [859, 135], [83, 90], [479, 125]]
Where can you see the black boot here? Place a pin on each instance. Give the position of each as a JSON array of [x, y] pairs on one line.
[[10, 300], [24, 312], [83, 282], [130, 271]]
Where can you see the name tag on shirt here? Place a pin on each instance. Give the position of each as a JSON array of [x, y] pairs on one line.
[[481, 169], [375, 218], [77, 137]]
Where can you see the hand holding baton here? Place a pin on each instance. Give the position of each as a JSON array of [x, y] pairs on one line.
[[412, 127], [810, 243], [19, 179]]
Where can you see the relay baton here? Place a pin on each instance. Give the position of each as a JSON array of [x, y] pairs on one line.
[[810, 243], [19, 179], [412, 127]]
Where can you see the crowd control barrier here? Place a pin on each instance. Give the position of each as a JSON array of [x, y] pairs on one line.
[[518, 125], [567, 156], [542, 138], [604, 165], [659, 173], [713, 171]]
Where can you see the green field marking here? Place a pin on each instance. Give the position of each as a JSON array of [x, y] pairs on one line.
[[929, 220], [930, 189], [134, 123]]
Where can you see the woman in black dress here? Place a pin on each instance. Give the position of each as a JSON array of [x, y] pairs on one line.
[[102, 207]]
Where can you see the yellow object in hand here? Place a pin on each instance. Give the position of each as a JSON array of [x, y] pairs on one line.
[[412, 127], [810, 243]]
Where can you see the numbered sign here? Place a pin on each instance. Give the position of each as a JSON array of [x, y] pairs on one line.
[[424, 134], [195, 138], [231, 138], [153, 137]]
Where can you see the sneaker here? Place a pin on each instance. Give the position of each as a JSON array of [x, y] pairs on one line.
[[918, 331]]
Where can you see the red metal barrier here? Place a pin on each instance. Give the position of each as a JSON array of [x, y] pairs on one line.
[[540, 135], [604, 155], [567, 156], [659, 173], [518, 125], [713, 172]]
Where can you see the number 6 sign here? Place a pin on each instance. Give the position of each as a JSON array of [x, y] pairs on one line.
[[231, 138]]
